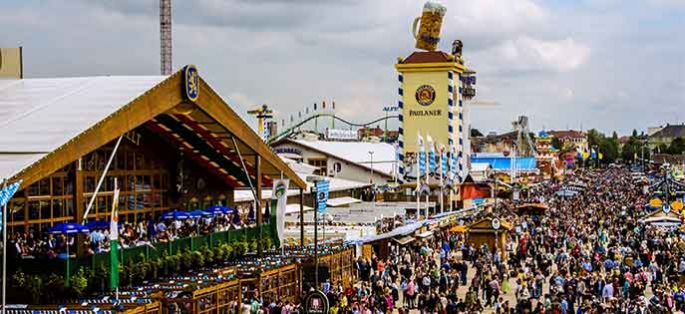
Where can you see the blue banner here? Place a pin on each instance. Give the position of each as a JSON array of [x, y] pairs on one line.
[[322, 189]]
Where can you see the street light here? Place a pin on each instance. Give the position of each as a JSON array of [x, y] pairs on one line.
[[371, 154]]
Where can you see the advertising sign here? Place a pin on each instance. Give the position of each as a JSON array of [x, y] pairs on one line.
[[280, 192], [425, 110], [342, 135], [316, 302]]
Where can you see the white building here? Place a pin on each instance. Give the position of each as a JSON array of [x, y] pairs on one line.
[[354, 161]]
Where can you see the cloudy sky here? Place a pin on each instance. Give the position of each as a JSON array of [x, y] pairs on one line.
[[607, 64]]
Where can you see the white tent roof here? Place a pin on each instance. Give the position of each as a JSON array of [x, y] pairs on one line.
[[336, 184], [342, 201], [480, 166], [37, 116], [383, 153]]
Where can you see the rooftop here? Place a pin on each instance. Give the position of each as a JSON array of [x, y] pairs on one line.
[[384, 154], [428, 57], [670, 131], [567, 134]]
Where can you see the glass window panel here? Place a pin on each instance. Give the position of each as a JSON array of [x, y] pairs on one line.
[[101, 204], [140, 161], [131, 183], [45, 212], [139, 183], [57, 187], [58, 209], [156, 182], [68, 187], [156, 200], [143, 201], [33, 189], [129, 160], [34, 210], [89, 184], [68, 208], [17, 209], [121, 181], [147, 184], [131, 202]]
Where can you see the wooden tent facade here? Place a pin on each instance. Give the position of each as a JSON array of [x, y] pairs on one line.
[[174, 153]]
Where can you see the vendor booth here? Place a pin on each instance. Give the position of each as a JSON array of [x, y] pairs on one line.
[[491, 232]]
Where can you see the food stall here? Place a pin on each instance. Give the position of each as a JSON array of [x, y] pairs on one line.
[[490, 231]]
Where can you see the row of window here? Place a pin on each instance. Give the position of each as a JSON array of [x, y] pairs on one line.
[[61, 185]]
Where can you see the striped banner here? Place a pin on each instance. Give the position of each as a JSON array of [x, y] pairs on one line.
[[421, 157], [431, 155]]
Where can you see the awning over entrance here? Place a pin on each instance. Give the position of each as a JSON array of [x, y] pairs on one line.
[[404, 240], [424, 235], [342, 201]]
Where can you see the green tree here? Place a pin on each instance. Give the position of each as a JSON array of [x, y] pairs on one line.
[[557, 143], [677, 146]]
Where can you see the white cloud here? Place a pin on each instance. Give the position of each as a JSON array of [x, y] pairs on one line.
[[497, 16], [526, 53]]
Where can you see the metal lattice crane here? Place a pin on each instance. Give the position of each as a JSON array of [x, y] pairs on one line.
[[262, 114], [165, 36]]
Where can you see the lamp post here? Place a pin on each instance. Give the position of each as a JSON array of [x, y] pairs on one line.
[[371, 154]]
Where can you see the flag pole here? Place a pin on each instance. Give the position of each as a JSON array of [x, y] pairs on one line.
[[102, 179], [4, 252], [418, 188]]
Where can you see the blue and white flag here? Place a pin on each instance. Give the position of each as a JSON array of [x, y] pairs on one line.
[[5, 196], [431, 155], [322, 189], [7, 192], [443, 160], [421, 158]]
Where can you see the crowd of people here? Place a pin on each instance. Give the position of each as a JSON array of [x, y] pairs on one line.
[[584, 252], [145, 231], [589, 252]]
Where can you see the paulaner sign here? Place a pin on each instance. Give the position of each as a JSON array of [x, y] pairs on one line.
[[425, 113]]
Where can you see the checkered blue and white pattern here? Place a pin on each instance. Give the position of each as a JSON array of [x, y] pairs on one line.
[[443, 160], [400, 139], [450, 108], [460, 146]]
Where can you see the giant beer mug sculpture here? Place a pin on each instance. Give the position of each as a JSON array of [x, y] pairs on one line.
[[428, 33]]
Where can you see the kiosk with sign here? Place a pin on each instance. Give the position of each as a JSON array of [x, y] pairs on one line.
[[490, 231]]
